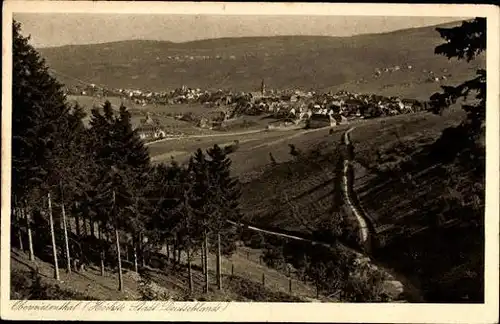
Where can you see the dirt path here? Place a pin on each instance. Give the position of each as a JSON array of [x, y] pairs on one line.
[[207, 135], [409, 288], [296, 238], [363, 225]]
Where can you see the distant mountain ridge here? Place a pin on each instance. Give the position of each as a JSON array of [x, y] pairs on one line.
[[284, 62], [255, 38]]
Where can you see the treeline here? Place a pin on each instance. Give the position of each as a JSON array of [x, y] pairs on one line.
[[90, 195]]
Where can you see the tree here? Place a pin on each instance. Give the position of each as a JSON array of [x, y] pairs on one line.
[[189, 232], [122, 167], [41, 119], [466, 41], [225, 198], [45, 129], [52, 234], [200, 201]]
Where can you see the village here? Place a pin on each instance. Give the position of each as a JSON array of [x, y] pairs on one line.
[[286, 109]]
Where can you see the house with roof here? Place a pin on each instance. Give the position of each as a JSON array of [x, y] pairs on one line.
[[150, 132], [150, 129], [320, 121]]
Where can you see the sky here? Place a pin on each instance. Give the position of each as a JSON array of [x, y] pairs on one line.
[[50, 29]]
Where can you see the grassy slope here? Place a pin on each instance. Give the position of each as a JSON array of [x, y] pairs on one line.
[[245, 285], [309, 62], [309, 186], [384, 201], [292, 193]]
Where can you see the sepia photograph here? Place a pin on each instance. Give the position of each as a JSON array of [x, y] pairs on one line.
[[215, 156]]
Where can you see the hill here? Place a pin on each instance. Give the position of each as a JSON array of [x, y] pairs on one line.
[[307, 62]]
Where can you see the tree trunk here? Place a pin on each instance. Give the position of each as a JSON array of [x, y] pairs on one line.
[[120, 279], [66, 243], [205, 238], [141, 249], [102, 263], [84, 223], [168, 252], [174, 253], [126, 252], [219, 264], [190, 275], [179, 251], [52, 234], [20, 220], [30, 237], [100, 233], [91, 224], [88, 227], [77, 221], [135, 260], [202, 256]]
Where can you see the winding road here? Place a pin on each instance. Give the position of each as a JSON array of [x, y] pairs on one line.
[[347, 187], [255, 131]]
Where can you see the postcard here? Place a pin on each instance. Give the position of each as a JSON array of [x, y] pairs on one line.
[[189, 161]]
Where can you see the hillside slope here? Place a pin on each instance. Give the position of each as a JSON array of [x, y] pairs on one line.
[[245, 284], [418, 208], [308, 62]]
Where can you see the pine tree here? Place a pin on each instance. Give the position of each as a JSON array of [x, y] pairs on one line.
[[225, 194], [201, 201], [466, 41], [46, 146], [38, 109], [39, 118]]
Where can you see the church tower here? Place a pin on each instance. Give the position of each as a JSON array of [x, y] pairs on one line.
[[262, 87]]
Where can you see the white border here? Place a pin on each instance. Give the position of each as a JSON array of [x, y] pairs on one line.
[[306, 312]]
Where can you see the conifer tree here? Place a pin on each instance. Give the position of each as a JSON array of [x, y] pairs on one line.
[[41, 120], [225, 194], [201, 201], [464, 42]]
